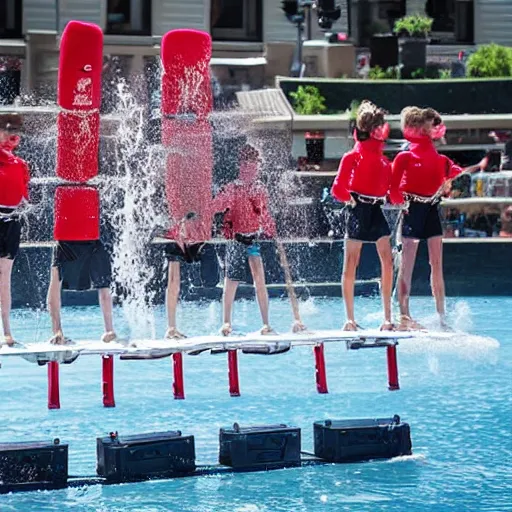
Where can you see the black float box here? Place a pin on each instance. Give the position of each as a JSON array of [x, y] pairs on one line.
[[145, 456], [358, 440], [33, 466], [262, 447]]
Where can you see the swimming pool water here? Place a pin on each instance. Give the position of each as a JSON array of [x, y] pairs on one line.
[[457, 398]]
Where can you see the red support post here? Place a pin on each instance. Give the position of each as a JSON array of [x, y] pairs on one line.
[[392, 368], [178, 386], [53, 385], [234, 384], [321, 375], [108, 381]]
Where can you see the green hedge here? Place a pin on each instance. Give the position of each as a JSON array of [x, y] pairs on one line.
[[457, 96]]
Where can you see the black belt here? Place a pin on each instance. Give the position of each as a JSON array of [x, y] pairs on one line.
[[246, 238], [422, 199], [360, 198], [8, 214]]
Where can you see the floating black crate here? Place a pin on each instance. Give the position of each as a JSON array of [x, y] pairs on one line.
[[260, 447], [145, 456], [33, 465], [358, 440]]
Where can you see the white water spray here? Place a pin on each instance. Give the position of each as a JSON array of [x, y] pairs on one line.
[[130, 200]]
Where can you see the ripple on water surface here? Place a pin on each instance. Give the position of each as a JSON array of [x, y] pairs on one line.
[[457, 398]]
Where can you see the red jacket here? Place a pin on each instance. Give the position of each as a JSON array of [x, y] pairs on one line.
[[364, 170], [247, 208], [421, 170], [14, 178]]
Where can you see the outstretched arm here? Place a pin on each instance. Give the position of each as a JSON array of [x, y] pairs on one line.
[[454, 170]]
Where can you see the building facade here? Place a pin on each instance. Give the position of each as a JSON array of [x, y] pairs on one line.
[[249, 21], [137, 22], [240, 29]]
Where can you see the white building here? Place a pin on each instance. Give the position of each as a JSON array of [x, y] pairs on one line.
[[239, 28]]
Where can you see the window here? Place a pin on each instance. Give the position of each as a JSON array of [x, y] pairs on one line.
[[443, 13], [129, 17], [10, 19], [236, 20]]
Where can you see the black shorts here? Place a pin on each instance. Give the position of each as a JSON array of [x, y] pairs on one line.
[[82, 265], [365, 222], [10, 234], [422, 221], [236, 263], [190, 254]]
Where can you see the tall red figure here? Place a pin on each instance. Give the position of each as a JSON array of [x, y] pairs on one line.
[[76, 207], [187, 136], [79, 97], [186, 132]]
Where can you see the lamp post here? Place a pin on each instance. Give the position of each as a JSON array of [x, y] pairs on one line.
[[297, 12]]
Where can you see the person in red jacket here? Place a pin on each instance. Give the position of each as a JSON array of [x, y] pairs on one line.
[[419, 177], [362, 183], [14, 178], [246, 219]]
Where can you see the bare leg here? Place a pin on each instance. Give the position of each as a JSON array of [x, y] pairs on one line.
[[350, 262], [105, 299], [435, 255], [228, 298], [5, 298], [53, 301], [258, 275], [173, 293], [386, 285], [409, 251]]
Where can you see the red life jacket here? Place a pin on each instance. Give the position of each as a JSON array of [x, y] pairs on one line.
[[364, 170], [14, 178]]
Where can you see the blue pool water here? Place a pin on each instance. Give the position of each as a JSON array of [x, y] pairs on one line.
[[457, 399]]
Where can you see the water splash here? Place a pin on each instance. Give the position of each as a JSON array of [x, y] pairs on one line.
[[131, 207], [462, 317]]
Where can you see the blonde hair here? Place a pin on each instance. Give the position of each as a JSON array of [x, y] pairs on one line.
[[412, 117], [419, 118]]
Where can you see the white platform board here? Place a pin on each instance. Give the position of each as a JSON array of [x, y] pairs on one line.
[[41, 353]]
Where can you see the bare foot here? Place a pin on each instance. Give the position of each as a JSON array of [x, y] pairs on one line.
[[173, 334], [298, 326], [444, 325], [387, 326], [267, 330], [8, 340], [59, 339], [408, 324], [226, 329], [350, 325], [109, 336]]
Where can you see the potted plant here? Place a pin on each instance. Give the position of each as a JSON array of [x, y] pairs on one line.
[[412, 32], [308, 101]]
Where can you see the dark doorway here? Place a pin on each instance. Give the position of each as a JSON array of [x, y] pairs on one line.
[[236, 20], [128, 17], [11, 19], [443, 14]]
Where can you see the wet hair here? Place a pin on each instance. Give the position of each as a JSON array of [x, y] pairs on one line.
[[369, 117], [11, 122], [249, 153]]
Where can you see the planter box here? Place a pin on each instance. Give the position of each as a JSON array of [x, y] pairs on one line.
[[456, 96], [412, 56]]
